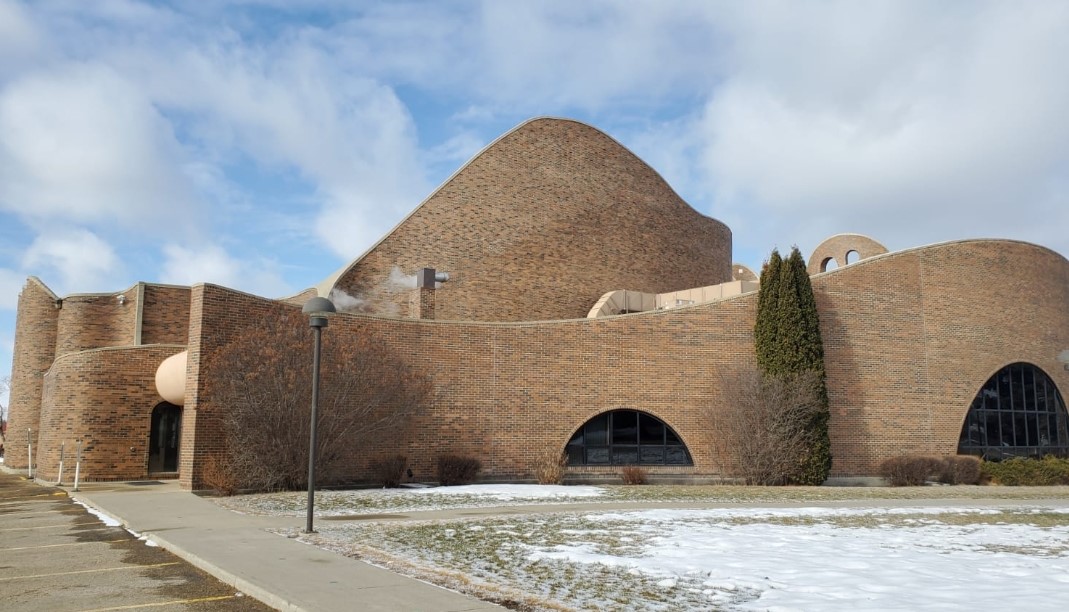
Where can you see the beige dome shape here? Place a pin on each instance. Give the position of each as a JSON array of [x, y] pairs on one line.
[[171, 379], [739, 272], [838, 248]]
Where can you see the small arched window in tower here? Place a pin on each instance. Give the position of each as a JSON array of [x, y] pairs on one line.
[[627, 437], [1017, 413]]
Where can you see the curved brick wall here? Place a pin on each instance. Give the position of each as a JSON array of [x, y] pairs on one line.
[[96, 321], [910, 337], [105, 398], [506, 391], [35, 348], [165, 314], [539, 226]]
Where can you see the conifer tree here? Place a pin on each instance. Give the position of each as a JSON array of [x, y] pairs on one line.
[[788, 342], [805, 353], [766, 329]]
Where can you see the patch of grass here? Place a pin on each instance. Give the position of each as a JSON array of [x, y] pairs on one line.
[[379, 501], [513, 559]]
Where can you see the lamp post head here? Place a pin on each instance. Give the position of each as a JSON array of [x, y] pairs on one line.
[[316, 309]]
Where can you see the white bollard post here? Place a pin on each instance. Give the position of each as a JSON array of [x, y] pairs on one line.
[[77, 465], [59, 478], [29, 453]]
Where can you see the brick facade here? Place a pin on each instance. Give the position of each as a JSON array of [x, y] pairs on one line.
[[532, 232], [35, 349], [910, 337], [103, 397]]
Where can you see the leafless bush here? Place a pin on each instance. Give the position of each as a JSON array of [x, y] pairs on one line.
[[457, 470], [910, 470], [550, 466], [764, 424], [390, 471], [960, 469], [219, 477], [634, 475], [263, 383]]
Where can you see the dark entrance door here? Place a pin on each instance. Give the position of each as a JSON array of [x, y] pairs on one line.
[[164, 437]]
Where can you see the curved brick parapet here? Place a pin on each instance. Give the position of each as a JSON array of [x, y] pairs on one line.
[[837, 249]]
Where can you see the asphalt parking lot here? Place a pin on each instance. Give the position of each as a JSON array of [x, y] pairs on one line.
[[56, 556]]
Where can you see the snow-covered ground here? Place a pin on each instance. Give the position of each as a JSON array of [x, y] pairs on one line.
[[753, 559]]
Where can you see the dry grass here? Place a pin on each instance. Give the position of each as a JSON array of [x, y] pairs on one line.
[[376, 501]]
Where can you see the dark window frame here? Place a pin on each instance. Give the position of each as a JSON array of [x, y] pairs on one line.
[[627, 441], [1017, 423]]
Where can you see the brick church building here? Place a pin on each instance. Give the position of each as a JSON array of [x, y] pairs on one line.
[[588, 308]]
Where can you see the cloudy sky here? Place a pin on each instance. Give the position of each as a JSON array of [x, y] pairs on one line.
[[262, 144]]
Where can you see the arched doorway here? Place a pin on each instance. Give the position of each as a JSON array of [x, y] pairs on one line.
[[164, 436], [1017, 413]]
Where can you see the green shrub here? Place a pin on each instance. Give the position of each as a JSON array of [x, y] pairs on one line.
[[960, 469], [910, 470], [1020, 471], [634, 475], [457, 470], [390, 471]]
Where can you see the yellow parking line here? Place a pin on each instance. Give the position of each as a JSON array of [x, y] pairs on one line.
[[60, 511], [56, 545], [29, 499], [163, 603], [88, 571], [50, 526]]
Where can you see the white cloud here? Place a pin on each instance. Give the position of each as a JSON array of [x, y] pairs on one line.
[[907, 122], [19, 38], [79, 258], [290, 105], [82, 144], [209, 263], [11, 283]]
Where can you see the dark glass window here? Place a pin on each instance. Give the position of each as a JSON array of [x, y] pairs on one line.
[[626, 437], [1017, 413]]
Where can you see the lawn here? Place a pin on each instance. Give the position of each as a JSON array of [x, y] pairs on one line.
[[815, 548]]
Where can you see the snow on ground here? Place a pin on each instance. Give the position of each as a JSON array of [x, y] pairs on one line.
[[106, 519], [904, 558], [827, 567], [516, 492]]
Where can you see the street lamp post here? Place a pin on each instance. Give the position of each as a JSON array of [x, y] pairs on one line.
[[316, 309]]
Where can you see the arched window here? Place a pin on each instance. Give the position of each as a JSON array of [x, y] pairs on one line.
[[626, 437], [1017, 413]]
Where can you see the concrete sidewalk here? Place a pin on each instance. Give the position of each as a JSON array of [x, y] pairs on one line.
[[282, 572]]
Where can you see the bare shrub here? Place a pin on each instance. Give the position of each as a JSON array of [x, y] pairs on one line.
[[550, 466], [910, 470], [389, 471], [634, 475], [457, 470], [219, 477], [262, 380], [765, 424], [960, 469]]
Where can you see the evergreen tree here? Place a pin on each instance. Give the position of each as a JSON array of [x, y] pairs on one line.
[[766, 329], [805, 353], [788, 342]]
